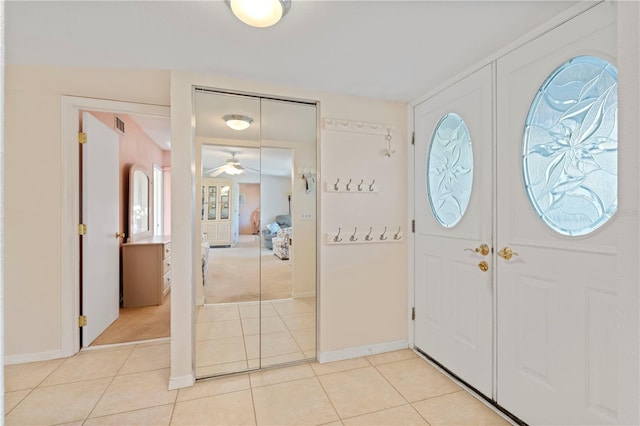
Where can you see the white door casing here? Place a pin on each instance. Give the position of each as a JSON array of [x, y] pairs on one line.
[[453, 296], [100, 245], [556, 310]]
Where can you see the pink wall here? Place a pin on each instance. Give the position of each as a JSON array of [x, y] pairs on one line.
[[135, 147], [251, 192]]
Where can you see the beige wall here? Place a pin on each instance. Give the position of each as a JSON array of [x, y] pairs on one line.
[[32, 188], [363, 293]]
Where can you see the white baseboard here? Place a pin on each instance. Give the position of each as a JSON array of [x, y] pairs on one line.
[[350, 353], [304, 294], [39, 356], [180, 382]]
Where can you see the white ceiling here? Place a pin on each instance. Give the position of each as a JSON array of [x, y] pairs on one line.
[[395, 50]]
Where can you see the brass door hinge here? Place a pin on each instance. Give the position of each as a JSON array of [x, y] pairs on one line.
[[82, 137], [413, 138], [82, 229], [413, 226], [82, 320], [413, 314]]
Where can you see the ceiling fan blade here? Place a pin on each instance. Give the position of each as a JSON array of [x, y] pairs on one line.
[[217, 172]]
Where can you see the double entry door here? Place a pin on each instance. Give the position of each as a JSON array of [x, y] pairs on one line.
[[515, 267]]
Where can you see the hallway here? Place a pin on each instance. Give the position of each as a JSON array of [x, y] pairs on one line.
[[127, 385]]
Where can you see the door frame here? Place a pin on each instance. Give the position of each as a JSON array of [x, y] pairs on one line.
[[69, 247]]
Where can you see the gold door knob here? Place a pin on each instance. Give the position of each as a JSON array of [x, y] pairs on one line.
[[483, 249], [484, 266], [506, 253], [120, 235]]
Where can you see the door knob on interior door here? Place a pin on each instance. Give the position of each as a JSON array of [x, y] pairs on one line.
[[506, 253], [483, 249], [120, 235]]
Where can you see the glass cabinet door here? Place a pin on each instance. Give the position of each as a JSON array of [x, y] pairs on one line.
[[224, 202], [212, 194]]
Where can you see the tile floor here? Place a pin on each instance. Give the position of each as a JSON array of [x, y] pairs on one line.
[[128, 386], [235, 337]]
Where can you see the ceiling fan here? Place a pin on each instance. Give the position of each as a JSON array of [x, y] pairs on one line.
[[231, 167]]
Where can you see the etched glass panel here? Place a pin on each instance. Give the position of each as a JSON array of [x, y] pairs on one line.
[[570, 147], [449, 170]]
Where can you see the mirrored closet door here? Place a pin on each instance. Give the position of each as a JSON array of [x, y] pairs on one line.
[[256, 299]]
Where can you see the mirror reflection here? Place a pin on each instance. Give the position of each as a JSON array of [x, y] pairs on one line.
[[139, 206], [256, 305]]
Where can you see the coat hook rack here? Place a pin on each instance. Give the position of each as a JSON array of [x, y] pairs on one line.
[[351, 186], [373, 236]]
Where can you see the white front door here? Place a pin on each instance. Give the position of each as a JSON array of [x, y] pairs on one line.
[[556, 306], [453, 295], [100, 245]]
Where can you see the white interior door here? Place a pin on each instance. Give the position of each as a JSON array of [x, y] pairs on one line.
[[556, 306], [100, 245], [453, 295]]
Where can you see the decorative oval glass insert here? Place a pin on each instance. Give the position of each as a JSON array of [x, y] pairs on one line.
[[570, 147], [449, 170]]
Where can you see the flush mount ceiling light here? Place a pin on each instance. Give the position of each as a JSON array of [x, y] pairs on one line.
[[238, 122], [259, 13]]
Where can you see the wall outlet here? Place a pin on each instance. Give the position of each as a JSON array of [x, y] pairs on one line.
[[305, 216]]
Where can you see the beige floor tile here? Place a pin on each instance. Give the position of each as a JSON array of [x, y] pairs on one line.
[[29, 375], [249, 310], [305, 338], [293, 306], [416, 379], [252, 346], [251, 326], [361, 391], [300, 321], [218, 329], [218, 369], [88, 366], [155, 416], [271, 361], [298, 402], [403, 415], [336, 366], [218, 313], [11, 399], [336, 423], [215, 386], [280, 375], [58, 404], [229, 409], [310, 354], [135, 391], [275, 344], [311, 301], [152, 342], [458, 408], [267, 309], [147, 358], [392, 356], [253, 364], [220, 351]]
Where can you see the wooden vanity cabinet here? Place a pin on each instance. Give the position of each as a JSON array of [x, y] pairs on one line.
[[146, 271]]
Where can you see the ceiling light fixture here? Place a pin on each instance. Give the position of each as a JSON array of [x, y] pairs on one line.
[[259, 13], [238, 122]]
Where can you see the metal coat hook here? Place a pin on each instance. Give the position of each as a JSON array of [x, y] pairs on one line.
[[389, 150], [348, 186], [397, 236], [360, 185], [371, 186], [382, 236], [368, 237], [337, 238], [353, 237], [335, 185]]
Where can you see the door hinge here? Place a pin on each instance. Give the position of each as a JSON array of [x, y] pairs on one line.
[[82, 137], [413, 138], [82, 320], [413, 226], [413, 313], [82, 229]]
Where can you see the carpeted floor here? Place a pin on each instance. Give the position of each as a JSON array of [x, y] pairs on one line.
[[234, 274], [134, 324]]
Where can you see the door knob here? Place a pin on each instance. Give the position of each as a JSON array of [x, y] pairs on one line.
[[120, 235], [506, 253], [484, 266], [483, 249]]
